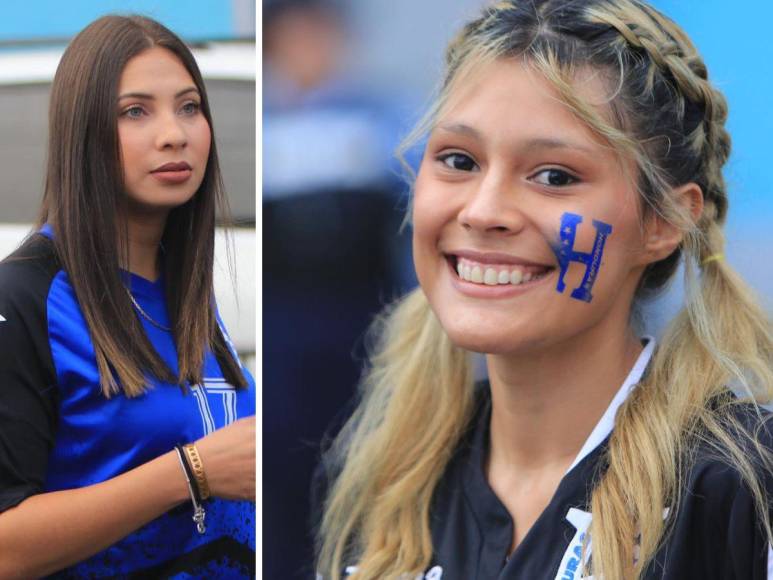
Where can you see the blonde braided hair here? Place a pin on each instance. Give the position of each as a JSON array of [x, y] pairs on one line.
[[669, 119]]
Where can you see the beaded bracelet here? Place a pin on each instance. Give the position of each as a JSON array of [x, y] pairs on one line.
[[198, 511]]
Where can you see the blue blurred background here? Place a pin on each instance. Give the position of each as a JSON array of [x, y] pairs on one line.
[[194, 20], [343, 82], [734, 42]]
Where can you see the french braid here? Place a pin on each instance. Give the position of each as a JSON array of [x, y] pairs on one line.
[[669, 119], [721, 327], [674, 56]]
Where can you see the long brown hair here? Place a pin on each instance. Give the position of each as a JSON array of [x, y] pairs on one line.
[[84, 192]]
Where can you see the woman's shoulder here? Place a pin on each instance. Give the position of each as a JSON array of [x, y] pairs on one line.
[[28, 271], [714, 474], [26, 277], [717, 524]]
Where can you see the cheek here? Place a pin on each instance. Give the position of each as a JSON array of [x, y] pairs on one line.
[[423, 223], [427, 225], [430, 209], [422, 244], [131, 144], [201, 135], [428, 219], [597, 257]]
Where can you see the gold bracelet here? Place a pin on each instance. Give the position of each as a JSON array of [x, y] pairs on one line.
[[194, 460]]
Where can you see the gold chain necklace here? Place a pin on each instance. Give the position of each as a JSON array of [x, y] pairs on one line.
[[145, 315]]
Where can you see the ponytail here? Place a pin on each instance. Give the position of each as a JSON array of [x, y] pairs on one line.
[[721, 338], [416, 402]]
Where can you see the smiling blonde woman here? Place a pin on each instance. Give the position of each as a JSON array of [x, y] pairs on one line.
[[574, 159]]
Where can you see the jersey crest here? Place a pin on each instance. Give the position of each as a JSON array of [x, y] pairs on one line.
[[574, 561]]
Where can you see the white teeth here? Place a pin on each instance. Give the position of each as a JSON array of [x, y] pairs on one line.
[[493, 276], [490, 277]]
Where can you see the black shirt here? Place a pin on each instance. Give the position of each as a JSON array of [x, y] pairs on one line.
[[715, 534]]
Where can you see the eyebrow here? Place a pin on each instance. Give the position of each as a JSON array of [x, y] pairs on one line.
[[534, 143], [150, 97]]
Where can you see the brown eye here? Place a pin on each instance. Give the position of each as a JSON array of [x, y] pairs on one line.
[[458, 161], [555, 178]]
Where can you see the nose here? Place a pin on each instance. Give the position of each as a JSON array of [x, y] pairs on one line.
[[492, 207], [171, 133]]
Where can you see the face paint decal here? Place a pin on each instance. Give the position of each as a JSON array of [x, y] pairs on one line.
[[566, 254]]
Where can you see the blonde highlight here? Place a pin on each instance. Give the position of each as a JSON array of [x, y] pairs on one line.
[[377, 513]]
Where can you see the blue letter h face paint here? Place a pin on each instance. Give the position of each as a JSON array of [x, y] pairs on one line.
[[566, 254]]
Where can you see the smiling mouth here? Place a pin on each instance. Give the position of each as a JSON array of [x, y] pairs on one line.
[[486, 274]]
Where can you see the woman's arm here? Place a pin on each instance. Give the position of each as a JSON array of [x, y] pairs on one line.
[[50, 531], [44, 532]]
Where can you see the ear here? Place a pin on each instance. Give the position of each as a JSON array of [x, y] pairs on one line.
[[661, 238]]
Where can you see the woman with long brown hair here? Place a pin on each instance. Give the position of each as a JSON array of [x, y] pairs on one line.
[[574, 160], [126, 419]]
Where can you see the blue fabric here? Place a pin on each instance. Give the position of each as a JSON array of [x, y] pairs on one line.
[[100, 438]]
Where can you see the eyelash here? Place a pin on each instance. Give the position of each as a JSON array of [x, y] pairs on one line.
[[196, 107], [444, 157], [127, 112], [572, 179]]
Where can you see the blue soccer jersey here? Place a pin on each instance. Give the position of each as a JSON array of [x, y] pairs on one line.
[[59, 432]]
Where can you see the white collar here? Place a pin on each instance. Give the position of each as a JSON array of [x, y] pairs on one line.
[[604, 427]]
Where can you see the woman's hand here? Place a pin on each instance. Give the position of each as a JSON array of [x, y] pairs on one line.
[[228, 455], [75, 524]]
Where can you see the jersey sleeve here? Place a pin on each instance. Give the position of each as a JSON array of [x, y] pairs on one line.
[[27, 380], [750, 553], [747, 547]]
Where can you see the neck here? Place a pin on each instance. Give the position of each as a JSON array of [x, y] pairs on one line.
[[545, 403], [144, 239]]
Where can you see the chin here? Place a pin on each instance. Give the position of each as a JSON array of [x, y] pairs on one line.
[[159, 204], [171, 200], [487, 339]]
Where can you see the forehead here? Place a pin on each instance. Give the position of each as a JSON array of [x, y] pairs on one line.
[[154, 69], [508, 98]]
